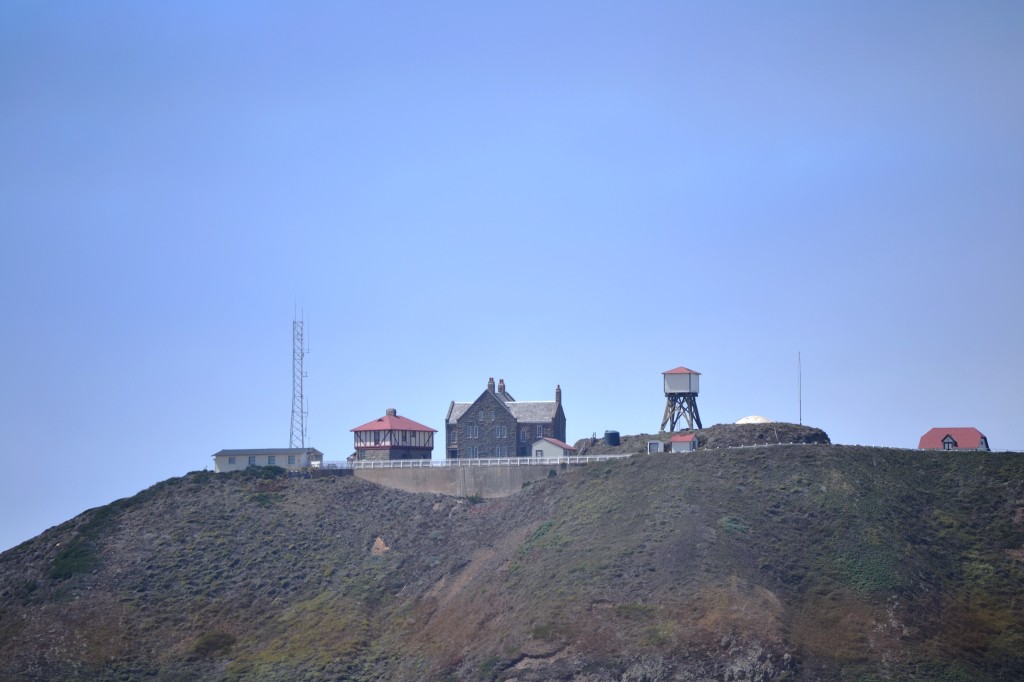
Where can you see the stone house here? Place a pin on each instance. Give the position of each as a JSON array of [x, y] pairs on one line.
[[392, 437], [497, 425]]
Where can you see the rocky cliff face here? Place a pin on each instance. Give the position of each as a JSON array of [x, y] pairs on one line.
[[792, 562]]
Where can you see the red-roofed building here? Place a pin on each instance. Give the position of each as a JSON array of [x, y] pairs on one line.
[[393, 437], [958, 438], [682, 443], [551, 448]]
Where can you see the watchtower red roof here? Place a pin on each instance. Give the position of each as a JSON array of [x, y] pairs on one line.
[[966, 437], [681, 370], [393, 422]]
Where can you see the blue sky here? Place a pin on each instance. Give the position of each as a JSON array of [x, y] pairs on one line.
[[574, 193]]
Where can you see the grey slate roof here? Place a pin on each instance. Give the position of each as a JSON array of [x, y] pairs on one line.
[[458, 409], [525, 412], [536, 411]]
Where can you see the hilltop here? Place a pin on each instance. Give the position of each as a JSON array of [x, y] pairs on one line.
[[713, 437], [798, 562]]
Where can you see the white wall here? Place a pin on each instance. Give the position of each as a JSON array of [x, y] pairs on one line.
[[221, 463], [549, 449], [682, 383]]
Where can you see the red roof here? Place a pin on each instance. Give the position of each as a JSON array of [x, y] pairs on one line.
[[393, 422], [966, 437], [564, 446], [681, 370], [680, 438]]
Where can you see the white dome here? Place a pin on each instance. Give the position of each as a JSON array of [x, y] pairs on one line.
[[755, 419]]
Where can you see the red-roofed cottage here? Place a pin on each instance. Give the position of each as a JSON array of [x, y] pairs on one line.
[[959, 438], [552, 448], [682, 443], [393, 437]]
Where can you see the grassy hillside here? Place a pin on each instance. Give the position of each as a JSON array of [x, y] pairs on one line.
[[797, 562]]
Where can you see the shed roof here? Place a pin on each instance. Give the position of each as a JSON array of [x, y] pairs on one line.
[[555, 441], [393, 422], [966, 437], [681, 370], [683, 438]]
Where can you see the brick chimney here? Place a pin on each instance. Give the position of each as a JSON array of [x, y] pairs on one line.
[[490, 384], [391, 412], [558, 394], [501, 386]]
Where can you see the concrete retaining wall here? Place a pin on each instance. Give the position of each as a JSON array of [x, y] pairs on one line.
[[485, 481]]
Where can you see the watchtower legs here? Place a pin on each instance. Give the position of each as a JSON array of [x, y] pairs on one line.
[[680, 406]]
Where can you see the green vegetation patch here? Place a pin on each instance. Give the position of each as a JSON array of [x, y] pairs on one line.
[[79, 556], [266, 499], [634, 612], [212, 643], [259, 473], [733, 525]]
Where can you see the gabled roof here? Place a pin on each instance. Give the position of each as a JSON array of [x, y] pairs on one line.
[[681, 370], [555, 441], [457, 410], [393, 422], [537, 411], [525, 412], [966, 437], [683, 438]]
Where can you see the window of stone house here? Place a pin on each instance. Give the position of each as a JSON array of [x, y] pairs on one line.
[[499, 451], [540, 430], [454, 437], [522, 435], [480, 415], [492, 415]]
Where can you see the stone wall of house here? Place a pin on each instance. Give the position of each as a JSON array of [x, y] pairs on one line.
[[491, 427]]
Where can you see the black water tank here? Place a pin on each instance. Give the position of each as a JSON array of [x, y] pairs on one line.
[[611, 437]]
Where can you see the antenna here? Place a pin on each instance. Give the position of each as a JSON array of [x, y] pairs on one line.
[[297, 439]]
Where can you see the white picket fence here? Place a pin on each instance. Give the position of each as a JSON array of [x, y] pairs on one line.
[[476, 462]]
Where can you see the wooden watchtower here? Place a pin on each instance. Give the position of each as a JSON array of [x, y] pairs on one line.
[[681, 388]]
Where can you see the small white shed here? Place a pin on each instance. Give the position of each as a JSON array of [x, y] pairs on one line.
[[683, 443], [551, 448]]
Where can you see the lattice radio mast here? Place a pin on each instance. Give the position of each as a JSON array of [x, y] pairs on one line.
[[299, 410]]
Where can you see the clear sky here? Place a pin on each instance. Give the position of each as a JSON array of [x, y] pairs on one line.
[[576, 193]]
